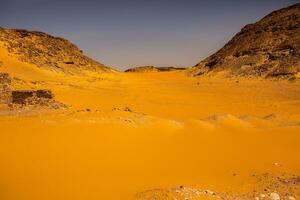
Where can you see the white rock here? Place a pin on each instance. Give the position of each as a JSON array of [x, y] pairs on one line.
[[291, 198], [274, 196], [262, 195]]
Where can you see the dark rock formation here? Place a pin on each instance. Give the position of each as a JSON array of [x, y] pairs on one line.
[[167, 69], [35, 98], [45, 94], [143, 69], [268, 48], [22, 96], [5, 78], [5, 88], [46, 51], [25, 98]]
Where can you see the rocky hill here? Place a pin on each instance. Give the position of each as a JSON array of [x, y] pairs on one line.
[[153, 69], [48, 52], [268, 48]]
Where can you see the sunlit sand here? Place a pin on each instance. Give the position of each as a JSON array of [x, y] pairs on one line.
[[228, 128], [125, 134]]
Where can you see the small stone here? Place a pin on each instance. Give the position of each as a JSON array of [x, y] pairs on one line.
[[210, 192], [256, 198], [262, 195], [127, 109], [274, 196], [276, 164], [291, 198]]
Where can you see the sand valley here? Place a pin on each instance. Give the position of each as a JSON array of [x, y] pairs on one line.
[[72, 129]]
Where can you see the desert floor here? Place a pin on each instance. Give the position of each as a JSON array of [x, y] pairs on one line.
[[129, 133]]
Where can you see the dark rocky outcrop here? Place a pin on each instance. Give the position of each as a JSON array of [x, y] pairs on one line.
[[24, 98], [49, 52], [268, 48], [5, 88], [143, 69], [153, 69]]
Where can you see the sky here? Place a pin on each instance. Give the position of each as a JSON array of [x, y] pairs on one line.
[[131, 33]]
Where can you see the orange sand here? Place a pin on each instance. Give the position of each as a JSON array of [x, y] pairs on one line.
[[180, 131]]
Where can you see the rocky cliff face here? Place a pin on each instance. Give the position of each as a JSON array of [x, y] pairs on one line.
[[49, 52], [268, 48]]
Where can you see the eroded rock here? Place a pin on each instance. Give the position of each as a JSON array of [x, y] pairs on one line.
[[5, 88], [48, 52], [24, 98], [269, 48]]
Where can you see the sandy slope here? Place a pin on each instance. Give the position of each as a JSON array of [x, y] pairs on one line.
[[129, 133]]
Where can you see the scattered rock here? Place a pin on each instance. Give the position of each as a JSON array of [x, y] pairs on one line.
[[210, 192], [127, 109], [177, 193], [274, 196], [45, 94], [23, 98], [285, 188]]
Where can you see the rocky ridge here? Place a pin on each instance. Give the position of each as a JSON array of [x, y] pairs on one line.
[[268, 48], [153, 69], [48, 52]]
